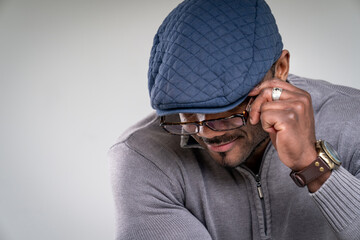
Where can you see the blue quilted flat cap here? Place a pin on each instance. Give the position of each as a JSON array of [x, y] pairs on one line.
[[208, 54]]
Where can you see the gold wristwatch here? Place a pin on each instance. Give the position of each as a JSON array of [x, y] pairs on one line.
[[327, 160]]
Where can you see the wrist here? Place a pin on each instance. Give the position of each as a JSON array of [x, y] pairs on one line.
[[317, 183], [306, 160], [316, 173], [310, 173]]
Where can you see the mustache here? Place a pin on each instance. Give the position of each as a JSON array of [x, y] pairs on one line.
[[220, 139]]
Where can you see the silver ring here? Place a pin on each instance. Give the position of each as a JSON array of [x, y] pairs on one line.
[[276, 93]]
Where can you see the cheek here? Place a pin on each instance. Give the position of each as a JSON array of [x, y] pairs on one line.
[[251, 137], [242, 146], [240, 149], [254, 131]]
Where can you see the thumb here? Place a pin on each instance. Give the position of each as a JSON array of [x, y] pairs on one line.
[[273, 139]]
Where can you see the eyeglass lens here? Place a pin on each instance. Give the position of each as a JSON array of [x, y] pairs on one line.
[[182, 129], [216, 125], [224, 124]]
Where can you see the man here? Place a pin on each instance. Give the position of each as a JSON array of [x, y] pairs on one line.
[[231, 125]]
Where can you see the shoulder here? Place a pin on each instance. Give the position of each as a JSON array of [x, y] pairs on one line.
[[147, 144], [331, 102], [325, 94]]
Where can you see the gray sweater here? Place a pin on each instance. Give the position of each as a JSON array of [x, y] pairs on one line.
[[167, 190]]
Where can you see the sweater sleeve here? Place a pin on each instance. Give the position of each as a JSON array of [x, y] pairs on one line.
[[339, 201], [339, 197], [148, 200]]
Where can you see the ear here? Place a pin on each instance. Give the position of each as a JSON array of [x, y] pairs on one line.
[[282, 65]]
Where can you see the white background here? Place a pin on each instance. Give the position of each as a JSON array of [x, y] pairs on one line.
[[73, 76]]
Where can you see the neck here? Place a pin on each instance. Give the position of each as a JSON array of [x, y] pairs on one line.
[[254, 160]]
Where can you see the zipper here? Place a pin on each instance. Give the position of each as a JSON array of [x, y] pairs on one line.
[[261, 196], [259, 189]]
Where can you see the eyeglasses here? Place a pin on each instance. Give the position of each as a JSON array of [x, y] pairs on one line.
[[220, 124]]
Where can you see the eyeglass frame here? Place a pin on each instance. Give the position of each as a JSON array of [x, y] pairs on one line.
[[244, 115]]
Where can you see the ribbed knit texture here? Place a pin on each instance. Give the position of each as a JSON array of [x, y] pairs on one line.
[[339, 211]]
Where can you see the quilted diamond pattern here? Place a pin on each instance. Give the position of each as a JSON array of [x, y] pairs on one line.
[[208, 54]]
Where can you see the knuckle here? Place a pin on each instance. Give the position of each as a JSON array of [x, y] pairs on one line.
[[292, 116], [274, 82], [267, 92], [299, 106], [302, 99], [306, 98]]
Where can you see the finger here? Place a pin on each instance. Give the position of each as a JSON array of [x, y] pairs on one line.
[[274, 83], [275, 120], [290, 104], [265, 97]]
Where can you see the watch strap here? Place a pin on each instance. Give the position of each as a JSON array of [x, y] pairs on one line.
[[317, 168]]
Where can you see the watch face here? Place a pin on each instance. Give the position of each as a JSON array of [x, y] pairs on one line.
[[329, 149]]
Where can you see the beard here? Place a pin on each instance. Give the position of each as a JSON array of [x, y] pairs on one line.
[[247, 142]]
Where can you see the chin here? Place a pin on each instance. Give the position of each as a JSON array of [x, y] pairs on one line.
[[234, 157], [228, 159]]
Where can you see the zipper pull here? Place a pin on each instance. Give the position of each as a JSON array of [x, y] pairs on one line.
[[259, 189]]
